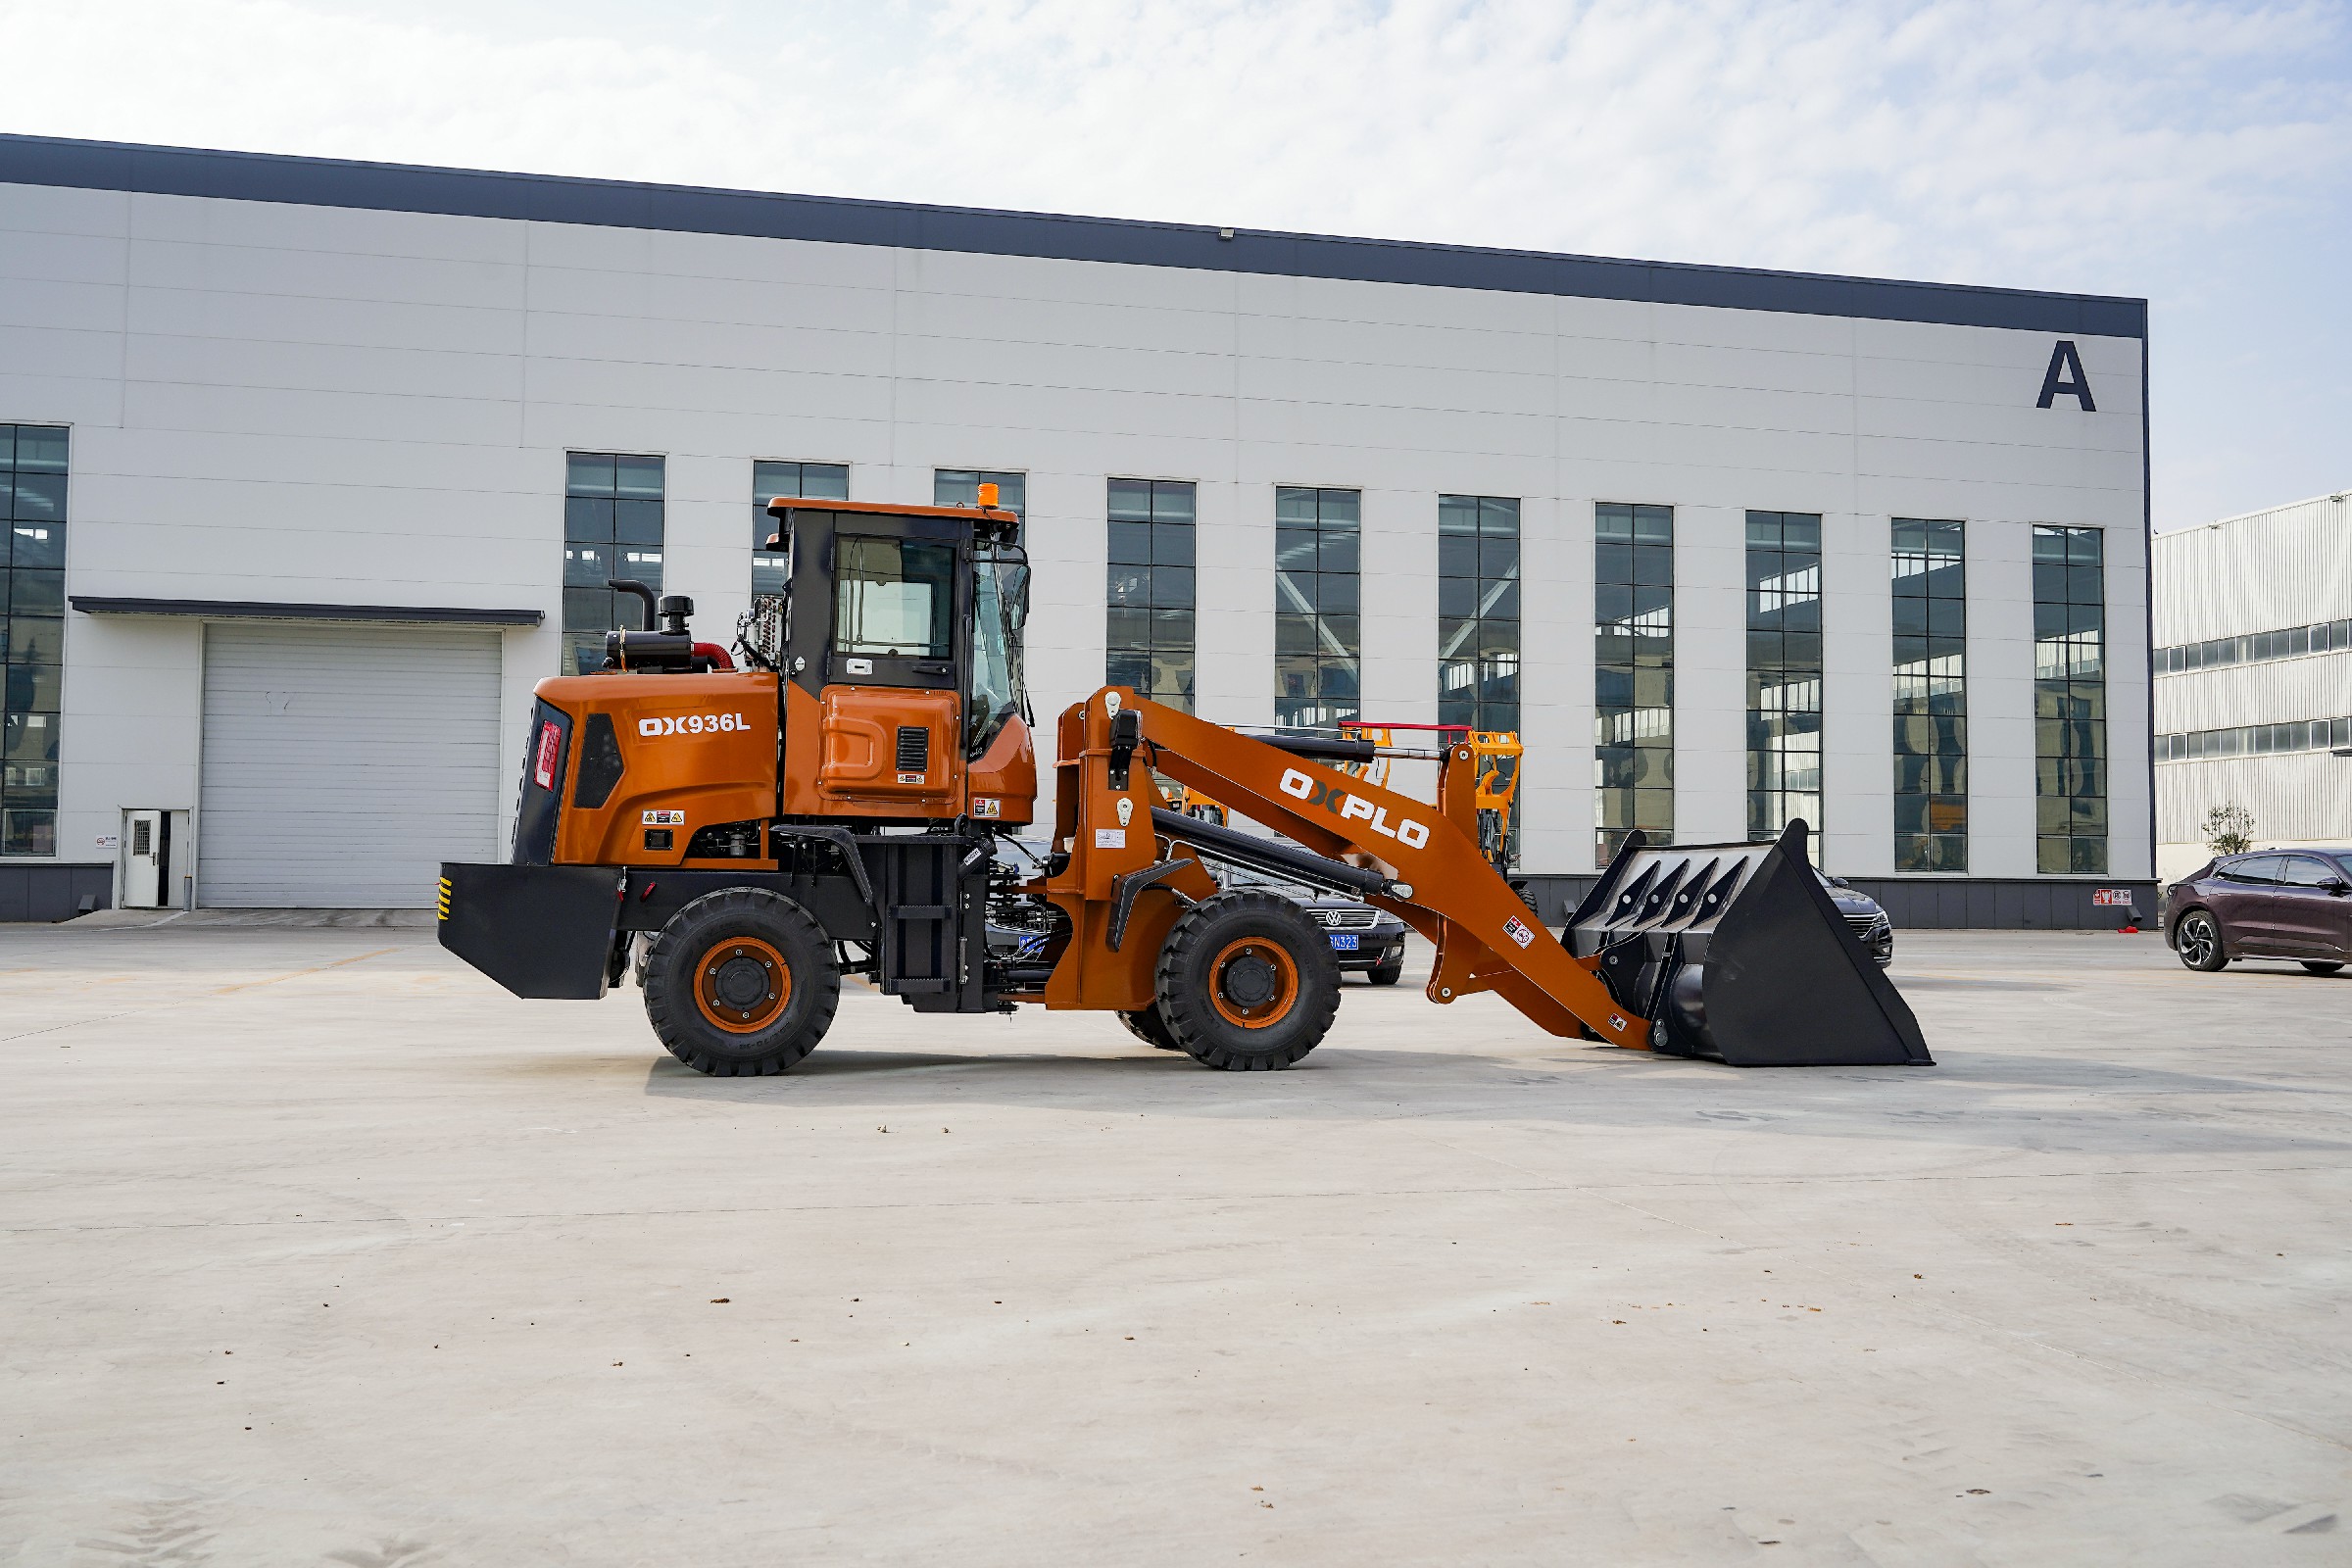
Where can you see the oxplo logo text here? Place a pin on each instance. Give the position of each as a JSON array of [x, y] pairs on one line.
[[692, 724], [1352, 807]]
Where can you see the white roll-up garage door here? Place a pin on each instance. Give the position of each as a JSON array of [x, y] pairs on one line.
[[343, 762]]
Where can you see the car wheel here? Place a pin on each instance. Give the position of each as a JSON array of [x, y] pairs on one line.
[[2322, 968], [2201, 942]]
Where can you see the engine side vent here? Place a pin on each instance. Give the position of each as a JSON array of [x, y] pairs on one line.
[[914, 748]]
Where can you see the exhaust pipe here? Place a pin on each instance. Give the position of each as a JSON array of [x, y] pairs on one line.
[[1735, 953]]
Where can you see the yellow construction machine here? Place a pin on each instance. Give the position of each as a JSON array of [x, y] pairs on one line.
[[846, 799], [1494, 759]]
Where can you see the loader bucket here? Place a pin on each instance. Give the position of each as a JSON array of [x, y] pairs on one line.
[[1734, 952]]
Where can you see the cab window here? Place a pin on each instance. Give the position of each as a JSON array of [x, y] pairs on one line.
[[894, 597]]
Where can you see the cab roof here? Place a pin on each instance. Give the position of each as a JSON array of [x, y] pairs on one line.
[[989, 520], [784, 504]]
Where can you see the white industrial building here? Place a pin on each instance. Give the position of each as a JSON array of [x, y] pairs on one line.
[[2254, 678], [302, 452]]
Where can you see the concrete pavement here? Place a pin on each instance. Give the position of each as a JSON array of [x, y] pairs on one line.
[[320, 1249]]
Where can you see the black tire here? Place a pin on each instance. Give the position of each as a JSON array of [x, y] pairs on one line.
[[1247, 982], [1150, 1028], [2199, 939], [1387, 975], [2317, 966], [752, 958]]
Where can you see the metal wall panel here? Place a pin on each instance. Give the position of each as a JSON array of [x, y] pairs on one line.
[[2286, 567], [53, 890], [2289, 566]]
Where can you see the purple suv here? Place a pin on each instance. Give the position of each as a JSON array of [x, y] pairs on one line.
[[2269, 904]]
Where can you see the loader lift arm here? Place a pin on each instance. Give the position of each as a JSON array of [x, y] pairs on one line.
[[1728, 950], [1435, 878]]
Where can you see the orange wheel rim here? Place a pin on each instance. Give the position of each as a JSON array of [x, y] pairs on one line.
[[741, 985], [1254, 983]]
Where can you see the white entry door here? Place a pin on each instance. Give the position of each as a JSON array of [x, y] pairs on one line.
[[143, 853], [343, 762]]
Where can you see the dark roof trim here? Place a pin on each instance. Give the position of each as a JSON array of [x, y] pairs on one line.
[[263, 609], [687, 209]]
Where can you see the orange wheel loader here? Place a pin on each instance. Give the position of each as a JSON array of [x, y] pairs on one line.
[[846, 800]]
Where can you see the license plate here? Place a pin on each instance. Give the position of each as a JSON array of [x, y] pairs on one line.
[[1343, 944]]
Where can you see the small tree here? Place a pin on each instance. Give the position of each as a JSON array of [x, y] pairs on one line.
[[2229, 829]]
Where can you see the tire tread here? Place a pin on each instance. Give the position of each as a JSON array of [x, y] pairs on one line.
[[1192, 1017], [678, 1023]]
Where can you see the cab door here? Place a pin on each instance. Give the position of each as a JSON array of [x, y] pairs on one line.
[[879, 639]]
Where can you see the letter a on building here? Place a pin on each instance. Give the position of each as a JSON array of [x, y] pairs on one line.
[[2065, 362]]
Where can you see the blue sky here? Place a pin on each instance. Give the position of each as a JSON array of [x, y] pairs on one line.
[[2199, 155]]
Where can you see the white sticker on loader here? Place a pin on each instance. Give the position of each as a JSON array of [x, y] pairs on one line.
[[1110, 838], [913, 778], [1516, 929], [983, 806], [692, 724], [665, 819], [1345, 807]]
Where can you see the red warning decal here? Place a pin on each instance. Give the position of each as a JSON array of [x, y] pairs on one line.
[[1516, 929], [543, 771]]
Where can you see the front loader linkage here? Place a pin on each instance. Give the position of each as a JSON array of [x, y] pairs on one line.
[[1730, 952]]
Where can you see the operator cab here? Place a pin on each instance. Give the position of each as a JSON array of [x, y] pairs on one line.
[[899, 644]]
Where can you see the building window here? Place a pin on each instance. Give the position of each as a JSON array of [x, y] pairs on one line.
[[960, 487], [2287, 642], [2070, 701], [612, 529], [1784, 671], [1931, 696], [1633, 671], [817, 482], [1318, 577], [2249, 740], [1151, 593], [1478, 612], [32, 633]]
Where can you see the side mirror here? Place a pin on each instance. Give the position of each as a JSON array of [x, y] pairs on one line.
[[2336, 887]]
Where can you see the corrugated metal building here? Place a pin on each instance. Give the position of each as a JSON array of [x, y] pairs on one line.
[[2253, 691], [316, 467]]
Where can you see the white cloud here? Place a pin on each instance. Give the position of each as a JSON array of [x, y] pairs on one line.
[[1976, 139]]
